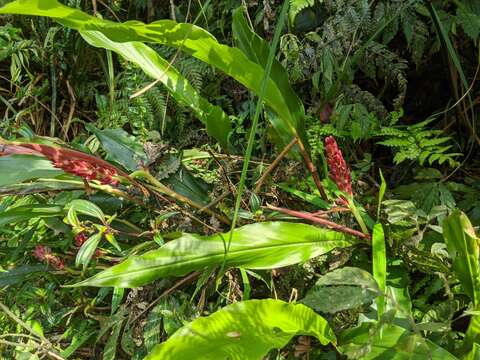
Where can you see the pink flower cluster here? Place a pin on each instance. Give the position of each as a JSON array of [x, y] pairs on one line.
[[87, 170], [43, 253], [339, 171], [80, 238]]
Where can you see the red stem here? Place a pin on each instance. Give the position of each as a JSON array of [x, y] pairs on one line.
[[330, 224]]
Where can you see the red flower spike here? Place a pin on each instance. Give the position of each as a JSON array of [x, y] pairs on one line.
[[71, 161], [339, 171]]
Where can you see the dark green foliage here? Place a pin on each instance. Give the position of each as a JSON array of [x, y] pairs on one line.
[[387, 273]]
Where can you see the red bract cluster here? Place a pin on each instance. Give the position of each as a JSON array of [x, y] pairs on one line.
[[43, 253], [339, 171], [87, 170], [80, 238], [71, 161]]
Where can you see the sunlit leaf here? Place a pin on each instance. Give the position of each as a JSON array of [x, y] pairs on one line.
[[463, 247], [244, 330], [257, 246], [187, 37], [391, 343]]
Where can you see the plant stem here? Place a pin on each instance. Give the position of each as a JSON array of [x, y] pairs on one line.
[[313, 170], [256, 116], [171, 193], [274, 164], [330, 224], [357, 215]]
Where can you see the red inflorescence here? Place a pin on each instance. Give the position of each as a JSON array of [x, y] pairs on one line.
[[339, 171], [87, 170], [80, 238], [44, 253]]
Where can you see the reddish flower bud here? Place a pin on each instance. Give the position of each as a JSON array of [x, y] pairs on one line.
[[43, 253], [339, 171], [87, 170], [80, 238], [98, 253]]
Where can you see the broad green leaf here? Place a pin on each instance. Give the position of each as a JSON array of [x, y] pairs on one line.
[[379, 261], [117, 298], [185, 183], [27, 212], [120, 147], [257, 49], [19, 273], [463, 247], [18, 168], [186, 37], [342, 289], [87, 250], [474, 354], [86, 208], [213, 117], [398, 296], [39, 186], [296, 6], [257, 246], [244, 330], [389, 342], [110, 349]]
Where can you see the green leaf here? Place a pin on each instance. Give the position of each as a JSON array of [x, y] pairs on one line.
[[110, 348], [381, 193], [120, 147], [244, 330], [257, 49], [18, 168], [379, 260], [187, 37], [342, 289], [391, 343], [213, 117], [19, 274], [257, 246], [117, 298], [469, 21], [463, 247], [296, 6], [27, 212], [474, 354], [87, 208], [87, 250]]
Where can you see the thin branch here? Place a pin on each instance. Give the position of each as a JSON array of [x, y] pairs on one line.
[[313, 170], [274, 164]]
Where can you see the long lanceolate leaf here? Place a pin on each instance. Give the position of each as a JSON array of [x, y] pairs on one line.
[[257, 50], [464, 249], [244, 330], [257, 246], [213, 117], [187, 37]]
